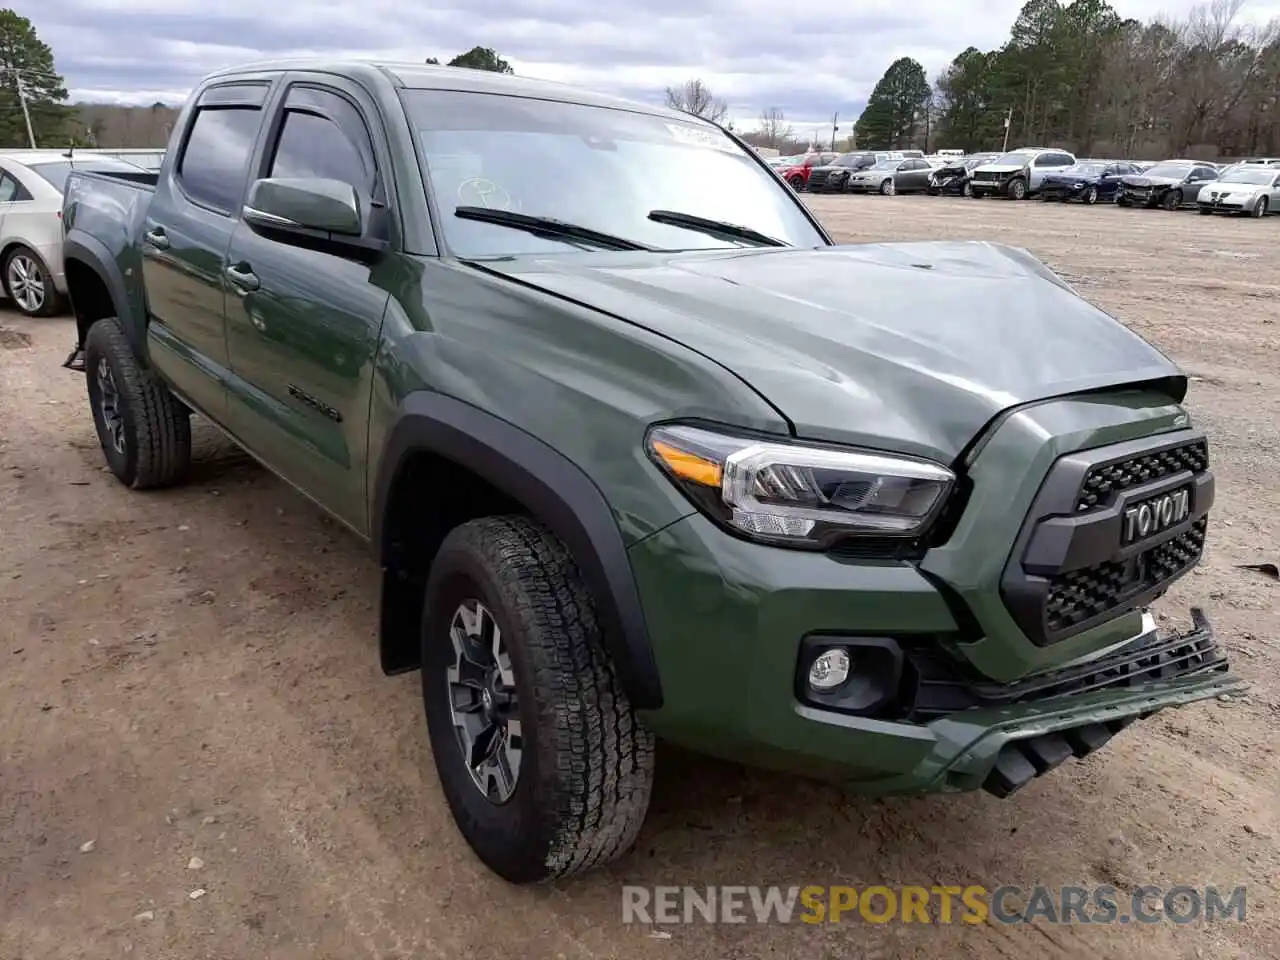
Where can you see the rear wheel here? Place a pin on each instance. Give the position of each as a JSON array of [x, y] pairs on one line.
[[797, 183], [545, 768], [29, 284], [144, 430]]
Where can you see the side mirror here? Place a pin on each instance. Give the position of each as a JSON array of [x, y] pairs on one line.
[[326, 206], [325, 215]]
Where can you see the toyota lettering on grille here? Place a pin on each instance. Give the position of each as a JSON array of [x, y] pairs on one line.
[[1155, 515]]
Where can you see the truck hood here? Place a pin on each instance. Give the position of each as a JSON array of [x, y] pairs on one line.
[[912, 347]]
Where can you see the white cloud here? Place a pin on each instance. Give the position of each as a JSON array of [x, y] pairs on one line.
[[809, 60]]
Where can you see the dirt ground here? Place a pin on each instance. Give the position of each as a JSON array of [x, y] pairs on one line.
[[193, 674]]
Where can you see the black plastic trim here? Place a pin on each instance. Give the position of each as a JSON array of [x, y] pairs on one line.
[[554, 490], [1057, 538], [92, 253]]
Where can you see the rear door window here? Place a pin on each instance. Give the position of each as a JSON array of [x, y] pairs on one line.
[[215, 158]]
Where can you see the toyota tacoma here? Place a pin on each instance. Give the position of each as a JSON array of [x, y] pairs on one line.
[[641, 451]]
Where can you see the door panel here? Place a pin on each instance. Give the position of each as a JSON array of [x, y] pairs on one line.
[[185, 238], [302, 335]]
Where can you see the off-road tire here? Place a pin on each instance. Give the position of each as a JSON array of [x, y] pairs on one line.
[[52, 302], [156, 425], [586, 766]]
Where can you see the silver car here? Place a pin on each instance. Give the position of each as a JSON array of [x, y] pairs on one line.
[[908, 175], [1248, 188]]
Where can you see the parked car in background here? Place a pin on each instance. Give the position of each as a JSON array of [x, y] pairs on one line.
[[908, 175], [1248, 188], [1019, 173], [952, 178], [31, 187], [1087, 181], [1169, 184], [833, 177], [797, 174]]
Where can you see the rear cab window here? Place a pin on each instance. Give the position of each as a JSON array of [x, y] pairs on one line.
[[214, 161]]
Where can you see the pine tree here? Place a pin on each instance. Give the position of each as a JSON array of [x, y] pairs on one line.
[[25, 60]]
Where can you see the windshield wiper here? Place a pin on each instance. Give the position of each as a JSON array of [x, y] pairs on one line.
[[716, 228], [548, 227]]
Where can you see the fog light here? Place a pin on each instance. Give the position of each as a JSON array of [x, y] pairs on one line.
[[830, 669]]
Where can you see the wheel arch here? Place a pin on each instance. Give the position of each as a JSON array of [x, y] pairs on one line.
[[503, 468], [96, 289]]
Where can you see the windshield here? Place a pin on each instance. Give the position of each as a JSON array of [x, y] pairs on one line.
[[1085, 170], [886, 165], [1013, 160], [597, 167], [848, 160], [1261, 176], [978, 161], [1174, 171], [57, 172]]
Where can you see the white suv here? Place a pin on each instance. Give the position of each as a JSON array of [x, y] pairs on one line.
[[1019, 173], [31, 185]]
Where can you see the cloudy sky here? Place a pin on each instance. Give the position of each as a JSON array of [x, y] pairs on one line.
[[809, 59]]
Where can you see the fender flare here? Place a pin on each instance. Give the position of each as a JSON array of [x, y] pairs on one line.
[[92, 253], [553, 489]]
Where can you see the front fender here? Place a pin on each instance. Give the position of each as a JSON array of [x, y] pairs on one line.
[[554, 490]]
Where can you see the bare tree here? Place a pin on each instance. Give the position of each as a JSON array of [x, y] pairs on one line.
[[694, 96], [774, 128]]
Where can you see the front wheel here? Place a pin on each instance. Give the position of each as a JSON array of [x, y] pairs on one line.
[[545, 767], [1018, 190], [1092, 196], [29, 284], [1171, 200], [144, 430], [1206, 211], [1260, 208], [887, 188], [968, 191], [797, 183]]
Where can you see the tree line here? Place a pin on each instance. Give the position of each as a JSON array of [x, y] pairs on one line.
[[1078, 75]]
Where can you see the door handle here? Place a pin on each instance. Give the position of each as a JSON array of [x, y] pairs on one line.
[[243, 277], [157, 238]]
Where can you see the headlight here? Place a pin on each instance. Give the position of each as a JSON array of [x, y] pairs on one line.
[[799, 495]]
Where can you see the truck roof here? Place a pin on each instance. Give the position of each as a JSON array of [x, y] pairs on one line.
[[425, 76]]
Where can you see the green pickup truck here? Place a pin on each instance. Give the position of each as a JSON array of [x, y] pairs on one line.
[[643, 453]]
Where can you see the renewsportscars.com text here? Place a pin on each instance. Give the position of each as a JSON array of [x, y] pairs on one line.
[[938, 904]]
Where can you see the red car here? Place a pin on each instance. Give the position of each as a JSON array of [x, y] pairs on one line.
[[797, 174]]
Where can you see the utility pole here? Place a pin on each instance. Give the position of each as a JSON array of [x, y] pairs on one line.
[[26, 113], [835, 126], [1008, 121]]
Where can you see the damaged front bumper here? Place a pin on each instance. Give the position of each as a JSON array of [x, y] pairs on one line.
[[1013, 733]]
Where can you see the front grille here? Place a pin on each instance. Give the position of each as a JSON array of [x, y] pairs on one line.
[[945, 685], [817, 177], [985, 177], [1105, 480], [1081, 595]]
